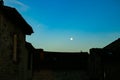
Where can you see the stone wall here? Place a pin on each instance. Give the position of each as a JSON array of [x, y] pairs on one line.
[[104, 65], [8, 68], [112, 68], [96, 67], [60, 66]]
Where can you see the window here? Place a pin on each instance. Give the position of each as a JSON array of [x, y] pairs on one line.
[[15, 48]]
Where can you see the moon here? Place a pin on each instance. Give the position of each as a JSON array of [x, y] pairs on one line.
[[71, 38]]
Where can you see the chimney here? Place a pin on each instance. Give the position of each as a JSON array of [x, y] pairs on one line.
[[1, 3]]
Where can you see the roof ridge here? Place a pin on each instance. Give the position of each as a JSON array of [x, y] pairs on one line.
[[112, 43]]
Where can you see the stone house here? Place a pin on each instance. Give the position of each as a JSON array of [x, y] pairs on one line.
[[105, 62], [13, 51], [112, 60]]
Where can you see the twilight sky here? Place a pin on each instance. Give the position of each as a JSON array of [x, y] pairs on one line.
[[70, 25]]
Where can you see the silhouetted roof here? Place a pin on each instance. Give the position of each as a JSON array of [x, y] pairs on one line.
[[13, 15], [114, 44], [113, 47], [29, 45]]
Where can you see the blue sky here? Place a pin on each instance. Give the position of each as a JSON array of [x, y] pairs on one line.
[[91, 23]]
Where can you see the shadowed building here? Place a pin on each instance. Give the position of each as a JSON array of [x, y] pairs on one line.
[[13, 52], [30, 59], [112, 61], [105, 62], [96, 64], [61, 65], [18, 58]]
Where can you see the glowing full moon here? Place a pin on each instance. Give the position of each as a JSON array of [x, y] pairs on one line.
[[71, 38]]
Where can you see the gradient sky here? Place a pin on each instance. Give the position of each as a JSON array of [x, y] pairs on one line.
[[91, 23]]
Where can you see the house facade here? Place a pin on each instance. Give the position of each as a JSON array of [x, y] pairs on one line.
[[105, 62], [13, 52]]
